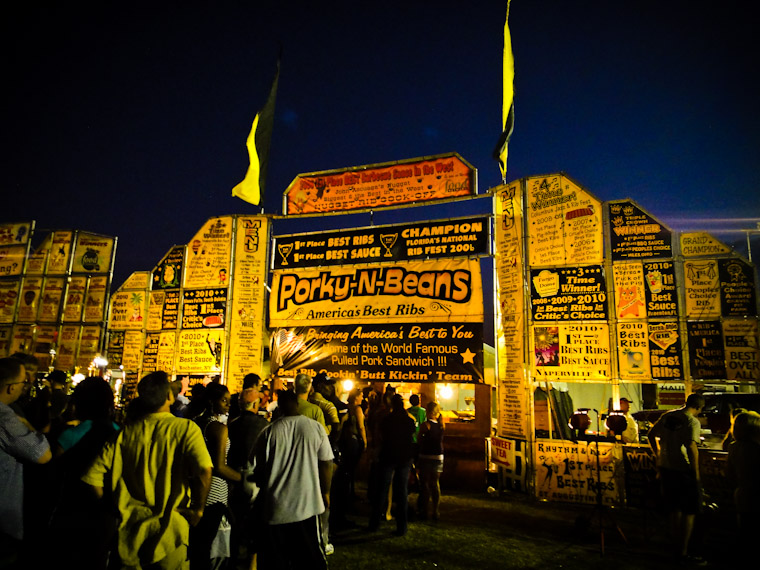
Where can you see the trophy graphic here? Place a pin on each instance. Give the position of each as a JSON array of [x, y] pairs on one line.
[[388, 240], [285, 249]]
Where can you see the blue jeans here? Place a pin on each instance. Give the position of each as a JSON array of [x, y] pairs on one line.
[[398, 473]]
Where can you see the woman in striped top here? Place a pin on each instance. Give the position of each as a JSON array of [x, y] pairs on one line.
[[213, 424]]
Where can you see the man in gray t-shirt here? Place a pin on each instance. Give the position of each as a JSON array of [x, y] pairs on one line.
[[293, 470], [674, 439]]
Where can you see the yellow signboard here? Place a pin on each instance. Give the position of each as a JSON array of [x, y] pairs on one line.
[[742, 355], [381, 185], [633, 350], [571, 353], [67, 347], [630, 298], [574, 472], [50, 304], [93, 253], [199, 351], [208, 255], [60, 253], [9, 293], [36, 264], [248, 300], [127, 310], [138, 280], [697, 244], [30, 299], [508, 242], [75, 296], [96, 299], [425, 291], [702, 289], [564, 223]]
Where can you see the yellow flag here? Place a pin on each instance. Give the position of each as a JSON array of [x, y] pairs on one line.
[[251, 189], [508, 90]]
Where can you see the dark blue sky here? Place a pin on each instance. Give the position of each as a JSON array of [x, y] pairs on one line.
[[132, 121]]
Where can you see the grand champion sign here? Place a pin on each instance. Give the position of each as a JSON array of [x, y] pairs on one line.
[[433, 239], [383, 185], [425, 291], [398, 352]]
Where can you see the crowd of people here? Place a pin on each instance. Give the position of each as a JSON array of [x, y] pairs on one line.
[[197, 477]]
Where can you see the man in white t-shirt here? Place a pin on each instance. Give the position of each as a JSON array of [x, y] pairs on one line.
[[293, 469]]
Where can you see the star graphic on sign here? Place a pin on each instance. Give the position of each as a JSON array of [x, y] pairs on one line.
[[468, 356]]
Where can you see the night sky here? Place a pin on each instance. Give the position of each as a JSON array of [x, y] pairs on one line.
[[132, 120]]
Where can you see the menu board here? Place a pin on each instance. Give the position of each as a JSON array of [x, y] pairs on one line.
[[247, 314], [510, 335]]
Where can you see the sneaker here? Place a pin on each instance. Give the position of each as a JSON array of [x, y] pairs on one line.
[[329, 549]]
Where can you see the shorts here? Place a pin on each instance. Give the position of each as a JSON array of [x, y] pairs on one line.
[[681, 491], [428, 465]]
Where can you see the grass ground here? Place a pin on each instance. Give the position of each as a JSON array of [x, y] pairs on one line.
[[483, 532]]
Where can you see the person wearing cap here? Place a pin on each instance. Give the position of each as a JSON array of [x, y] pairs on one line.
[[631, 432]]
